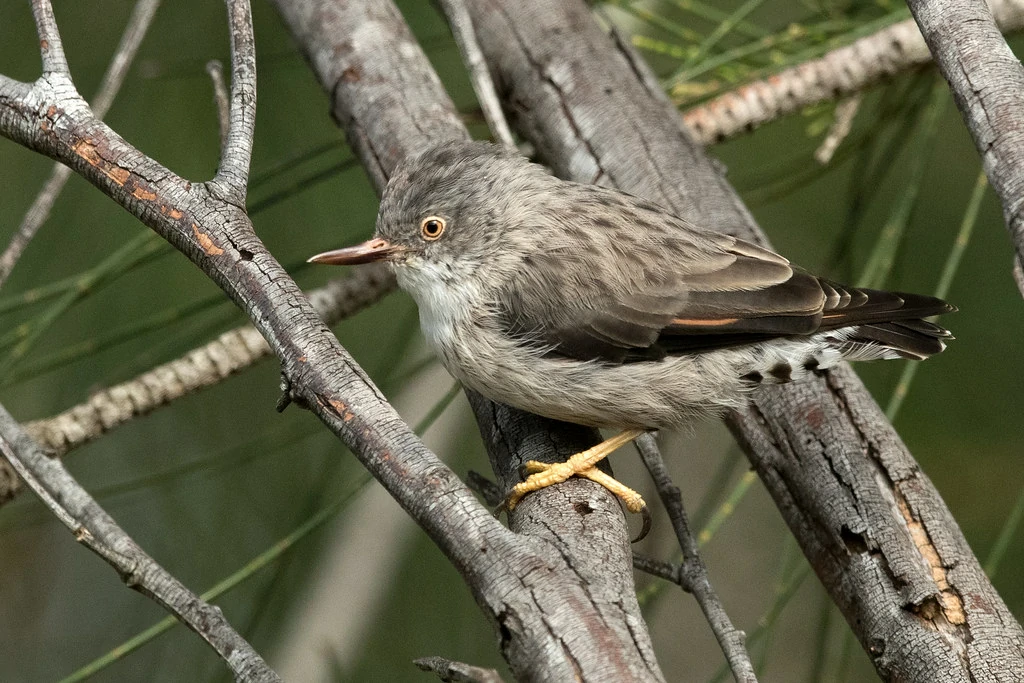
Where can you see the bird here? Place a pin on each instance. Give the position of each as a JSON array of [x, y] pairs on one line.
[[589, 305]]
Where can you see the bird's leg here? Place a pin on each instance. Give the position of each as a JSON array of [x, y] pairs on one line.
[[582, 464]]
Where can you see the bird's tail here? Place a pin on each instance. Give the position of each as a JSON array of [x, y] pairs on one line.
[[876, 324], [857, 324], [914, 339]]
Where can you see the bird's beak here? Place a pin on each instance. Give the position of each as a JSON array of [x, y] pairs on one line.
[[369, 251]]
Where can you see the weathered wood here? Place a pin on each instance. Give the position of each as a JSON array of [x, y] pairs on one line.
[[987, 81], [585, 623], [871, 523]]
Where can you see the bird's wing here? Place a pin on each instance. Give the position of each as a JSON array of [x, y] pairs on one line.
[[623, 293]]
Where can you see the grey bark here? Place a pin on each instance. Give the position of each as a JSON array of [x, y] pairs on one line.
[[390, 102], [987, 81], [871, 523]]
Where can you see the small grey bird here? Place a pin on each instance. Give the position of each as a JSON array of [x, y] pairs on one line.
[[589, 305]]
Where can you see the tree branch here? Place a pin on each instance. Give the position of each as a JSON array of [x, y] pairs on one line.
[[875, 529], [457, 672], [390, 103], [987, 81], [465, 37], [522, 582], [233, 173], [96, 530], [693, 574], [50, 46], [844, 71], [842, 124], [131, 39], [221, 99]]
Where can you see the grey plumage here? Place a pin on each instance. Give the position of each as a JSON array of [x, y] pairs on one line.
[[589, 305]]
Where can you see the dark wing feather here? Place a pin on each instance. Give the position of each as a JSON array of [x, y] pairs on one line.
[[647, 284]]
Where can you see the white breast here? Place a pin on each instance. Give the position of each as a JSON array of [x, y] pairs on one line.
[[444, 300]]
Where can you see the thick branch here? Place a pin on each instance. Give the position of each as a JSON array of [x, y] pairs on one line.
[[870, 522], [390, 102], [987, 81], [96, 530]]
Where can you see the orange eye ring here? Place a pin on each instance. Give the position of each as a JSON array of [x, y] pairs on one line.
[[432, 227]]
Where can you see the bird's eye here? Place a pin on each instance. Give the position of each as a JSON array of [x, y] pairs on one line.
[[432, 227]]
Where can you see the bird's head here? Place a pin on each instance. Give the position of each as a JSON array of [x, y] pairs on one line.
[[459, 212]]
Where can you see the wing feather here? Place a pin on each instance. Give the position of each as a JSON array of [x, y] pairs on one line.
[[657, 285]]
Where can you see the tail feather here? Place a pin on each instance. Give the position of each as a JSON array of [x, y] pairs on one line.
[[854, 306], [914, 339], [875, 324], [856, 325]]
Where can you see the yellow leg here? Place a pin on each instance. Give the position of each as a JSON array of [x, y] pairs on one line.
[[582, 464]]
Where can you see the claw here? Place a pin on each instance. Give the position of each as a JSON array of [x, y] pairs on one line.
[[542, 475]]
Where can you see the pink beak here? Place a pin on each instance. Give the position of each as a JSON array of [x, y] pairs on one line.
[[376, 249]]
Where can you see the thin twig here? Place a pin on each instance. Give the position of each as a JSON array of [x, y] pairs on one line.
[[465, 37], [95, 529], [221, 99], [842, 124], [457, 672], [693, 575], [663, 570], [236, 154], [50, 46], [138, 24]]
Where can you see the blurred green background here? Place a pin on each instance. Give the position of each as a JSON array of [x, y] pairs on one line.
[[214, 480]]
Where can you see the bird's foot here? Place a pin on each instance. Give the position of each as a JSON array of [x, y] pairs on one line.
[[583, 464]]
